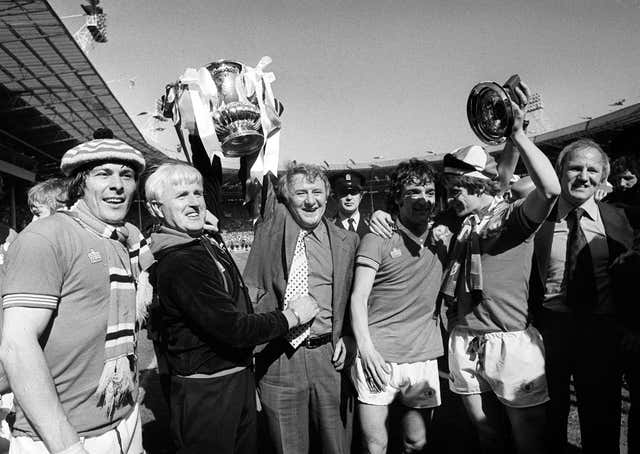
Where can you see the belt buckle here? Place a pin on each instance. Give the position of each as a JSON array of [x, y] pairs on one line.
[[308, 343], [318, 341]]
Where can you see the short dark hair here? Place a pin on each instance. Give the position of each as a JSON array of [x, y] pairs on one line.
[[416, 171], [473, 185], [77, 182]]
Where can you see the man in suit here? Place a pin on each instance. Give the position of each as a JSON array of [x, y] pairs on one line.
[[347, 188], [304, 395], [581, 268]]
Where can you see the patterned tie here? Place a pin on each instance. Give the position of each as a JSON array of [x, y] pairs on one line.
[[351, 223], [298, 285], [579, 275]]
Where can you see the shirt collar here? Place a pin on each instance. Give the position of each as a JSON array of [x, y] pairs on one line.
[[345, 220], [590, 207], [419, 240], [319, 232]]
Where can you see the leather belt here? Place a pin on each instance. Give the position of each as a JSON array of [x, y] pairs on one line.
[[317, 341]]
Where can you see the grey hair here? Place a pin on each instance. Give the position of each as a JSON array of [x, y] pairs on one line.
[[172, 173], [311, 173], [583, 144]]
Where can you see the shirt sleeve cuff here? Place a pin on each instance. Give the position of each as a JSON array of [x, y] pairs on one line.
[[30, 300], [361, 260]]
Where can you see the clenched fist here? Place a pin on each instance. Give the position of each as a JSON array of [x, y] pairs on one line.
[[305, 306]]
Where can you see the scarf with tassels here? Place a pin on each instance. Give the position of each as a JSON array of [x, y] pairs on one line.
[[128, 254], [467, 254]]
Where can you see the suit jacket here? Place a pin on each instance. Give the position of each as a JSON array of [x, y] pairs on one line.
[[271, 254], [362, 229], [623, 265]]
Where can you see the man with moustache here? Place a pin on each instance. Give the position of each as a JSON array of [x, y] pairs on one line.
[[207, 320], [347, 189], [69, 301], [297, 252], [583, 279], [393, 304]]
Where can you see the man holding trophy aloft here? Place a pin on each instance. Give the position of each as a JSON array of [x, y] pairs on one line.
[[206, 327]]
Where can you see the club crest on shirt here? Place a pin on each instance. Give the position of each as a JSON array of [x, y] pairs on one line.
[[94, 256], [395, 253]]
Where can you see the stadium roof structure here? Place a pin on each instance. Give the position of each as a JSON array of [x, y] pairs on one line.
[[613, 131], [51, 96], [376, 167]]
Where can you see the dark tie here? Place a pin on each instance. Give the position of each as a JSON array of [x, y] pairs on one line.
[[351, 222], [581, 290]]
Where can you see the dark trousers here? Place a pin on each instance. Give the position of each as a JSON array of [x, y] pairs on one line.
[[586, 347], [633, 378], [308, 405], [216, 415]]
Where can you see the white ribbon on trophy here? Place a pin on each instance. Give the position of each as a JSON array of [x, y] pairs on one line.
[[258, 82], [199, 93], [195, 97]]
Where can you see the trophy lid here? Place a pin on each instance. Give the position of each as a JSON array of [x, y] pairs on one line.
[[224, 65], [489, 112]]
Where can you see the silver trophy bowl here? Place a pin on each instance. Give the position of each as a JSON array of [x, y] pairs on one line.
[[237, 122]]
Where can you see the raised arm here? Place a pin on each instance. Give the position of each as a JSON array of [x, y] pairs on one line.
[[539, 202], [507, 166], [30, 379]]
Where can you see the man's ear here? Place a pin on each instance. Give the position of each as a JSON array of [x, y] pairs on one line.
[[153, 206]]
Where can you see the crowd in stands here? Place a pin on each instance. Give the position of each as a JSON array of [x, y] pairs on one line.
[[238, 240]]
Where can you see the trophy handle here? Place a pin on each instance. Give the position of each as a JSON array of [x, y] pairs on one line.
[[510, 85]]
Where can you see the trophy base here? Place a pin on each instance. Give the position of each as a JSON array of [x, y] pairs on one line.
[[242, 143]]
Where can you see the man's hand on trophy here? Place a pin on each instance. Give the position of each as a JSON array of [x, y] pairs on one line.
[[519, 106], [305, 308]]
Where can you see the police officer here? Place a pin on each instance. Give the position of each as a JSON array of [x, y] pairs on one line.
[[347, 189]]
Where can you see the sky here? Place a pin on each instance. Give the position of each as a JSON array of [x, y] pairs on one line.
[[370, 78]]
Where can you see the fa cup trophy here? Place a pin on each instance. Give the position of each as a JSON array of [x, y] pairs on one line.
[[490, 112], [236, 117], [229, 105]]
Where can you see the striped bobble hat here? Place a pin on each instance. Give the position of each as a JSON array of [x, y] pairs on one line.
[[101, 150]]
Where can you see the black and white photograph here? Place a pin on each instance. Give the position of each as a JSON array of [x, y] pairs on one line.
[[319, 227]]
